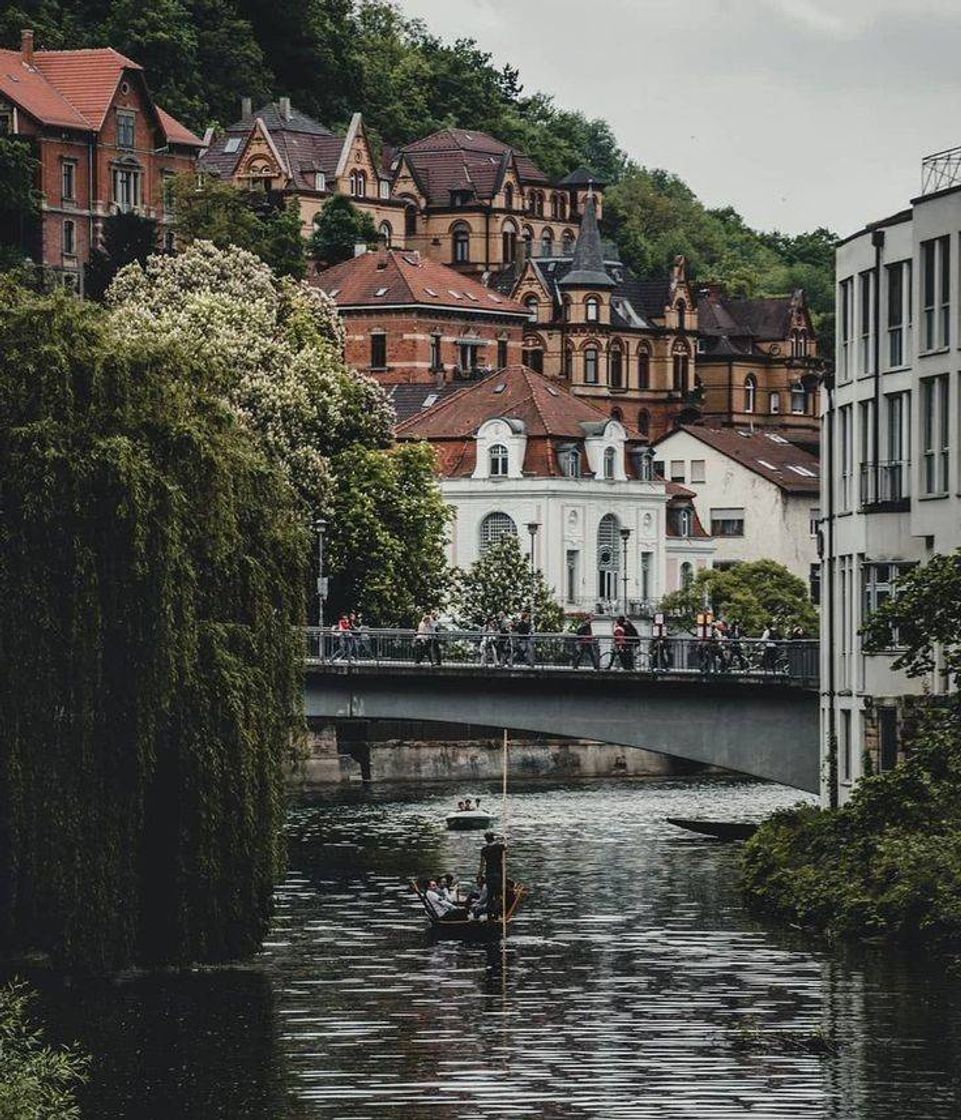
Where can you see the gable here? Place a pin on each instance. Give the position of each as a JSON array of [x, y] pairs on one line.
[[259, 156]]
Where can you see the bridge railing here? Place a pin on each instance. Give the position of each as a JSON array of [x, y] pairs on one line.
[[796, 662]]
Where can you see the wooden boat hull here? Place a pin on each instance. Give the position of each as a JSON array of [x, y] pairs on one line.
[[719, 830], [468, 821], [471, 931]]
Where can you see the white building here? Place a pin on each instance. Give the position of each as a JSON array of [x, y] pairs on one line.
[[892, 465], [516, 449], [756, 493]]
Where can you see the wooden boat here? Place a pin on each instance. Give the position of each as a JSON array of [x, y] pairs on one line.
[[470, 930], [719, 830], [469, 819]]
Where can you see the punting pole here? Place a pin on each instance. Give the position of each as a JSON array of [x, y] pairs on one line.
[[504, 830]]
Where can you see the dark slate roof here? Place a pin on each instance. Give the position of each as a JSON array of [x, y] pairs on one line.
[[587, 268], [766, 320], [412, 400], [582, 177], [275, 121]]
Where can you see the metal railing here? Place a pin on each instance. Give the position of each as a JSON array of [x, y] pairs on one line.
[[884, 482], [795, 662], [940, 170]]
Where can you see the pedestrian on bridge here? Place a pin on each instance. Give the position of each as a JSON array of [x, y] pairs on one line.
[[586, 644]]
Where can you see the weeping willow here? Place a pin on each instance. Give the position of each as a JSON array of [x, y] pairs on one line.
[[151, 580]]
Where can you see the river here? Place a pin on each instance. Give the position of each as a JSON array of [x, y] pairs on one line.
[[629, 981]]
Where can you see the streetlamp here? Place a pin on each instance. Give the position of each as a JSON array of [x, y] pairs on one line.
[[625, 537], [532, 527], [320, 528]]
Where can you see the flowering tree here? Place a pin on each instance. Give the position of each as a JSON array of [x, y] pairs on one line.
[[500, 580], [273, 348]]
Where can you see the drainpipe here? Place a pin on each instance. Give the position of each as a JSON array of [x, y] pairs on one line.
[[487, 238], [877, 240], [91, 195], [828, 383], [730, 391]]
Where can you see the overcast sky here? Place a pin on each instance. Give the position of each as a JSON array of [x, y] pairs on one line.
[[799, 113]]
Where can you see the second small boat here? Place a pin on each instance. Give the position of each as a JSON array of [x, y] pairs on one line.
[[469, 820]]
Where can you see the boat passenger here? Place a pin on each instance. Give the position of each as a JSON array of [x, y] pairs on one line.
[[460, 806], [448, 888], [468, 805], [477, 900], [445, 911]]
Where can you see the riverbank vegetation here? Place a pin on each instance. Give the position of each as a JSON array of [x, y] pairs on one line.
[[888, 863]]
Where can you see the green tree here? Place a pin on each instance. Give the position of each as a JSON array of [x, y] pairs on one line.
[[19, 203], [126, 238], [500, 581], [755, 593], [152, 571], [339, 228]]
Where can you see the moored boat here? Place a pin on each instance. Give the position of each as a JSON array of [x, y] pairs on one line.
[[719, 830]]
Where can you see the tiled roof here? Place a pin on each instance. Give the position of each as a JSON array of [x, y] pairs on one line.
[[276, 120], [389, 277], [412, 400], [764, 320], [587, 267], [765, 453], [74, 89]]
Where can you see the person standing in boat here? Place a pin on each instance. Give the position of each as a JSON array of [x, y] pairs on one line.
[[492, 868]]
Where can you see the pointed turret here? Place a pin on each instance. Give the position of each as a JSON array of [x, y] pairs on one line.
[[587, 267]]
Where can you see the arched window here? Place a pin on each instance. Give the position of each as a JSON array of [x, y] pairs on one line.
[[539, 204], [592, 309], [509, 197], [609, 455], [410, 219], [494, 527], [572, 463], [567, 242], [460, 237], [681, 367], [568, 370], [358, 184], [687, 574], [802, 342], [562, 207], [608, 557], [681, 314], [685, 522], [799, 399], [532, 354], [532, 303], [566, 309], [547, 242], [643, 368], [774, 402], [644, 422], [499, 461], [590, 365], [509, 241], [616, 366], [750, 393], [386, 233], [555, 206]]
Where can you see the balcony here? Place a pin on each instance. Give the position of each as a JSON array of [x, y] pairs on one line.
[[885, 487], [941, 171]]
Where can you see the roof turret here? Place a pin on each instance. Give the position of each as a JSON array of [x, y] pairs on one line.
[[587, 267]]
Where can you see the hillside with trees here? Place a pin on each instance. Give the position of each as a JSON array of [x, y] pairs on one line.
[[335, 57]]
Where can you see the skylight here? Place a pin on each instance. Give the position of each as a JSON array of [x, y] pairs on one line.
[[803, 471], [430, 291], [775, 439], [553, 392], [429, 400], [334, 292], [456, 295], [381, 292], [233, 143], [496, 299], [470, 295], [500, 388], [765, 463]]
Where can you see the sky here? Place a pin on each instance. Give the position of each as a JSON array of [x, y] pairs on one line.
[[799, 113]]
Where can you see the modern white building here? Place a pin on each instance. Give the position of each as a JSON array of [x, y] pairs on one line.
[[516, 450], [892, 449], [756, 493]]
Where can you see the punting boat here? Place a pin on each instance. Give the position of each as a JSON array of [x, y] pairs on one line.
[[465, 819], [719, 830], [483, 930]]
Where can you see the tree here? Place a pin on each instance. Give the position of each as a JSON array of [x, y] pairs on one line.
[[225, 215], [339, 228], [755, 593], [19, 203], [500, 581], [152, 574], [126, 238]]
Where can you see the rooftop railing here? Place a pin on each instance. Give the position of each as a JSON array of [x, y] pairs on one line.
[[941, 170]]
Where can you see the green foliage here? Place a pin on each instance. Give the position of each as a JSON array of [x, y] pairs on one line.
[[251, 220], [500, 581], [37, 1082], [339, 228], [126, 238], [19, 203], [151, 583], [756, 594]]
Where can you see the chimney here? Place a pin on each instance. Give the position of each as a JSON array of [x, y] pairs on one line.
[[26, 46], [284, 103], [360, 248], [246, 108]]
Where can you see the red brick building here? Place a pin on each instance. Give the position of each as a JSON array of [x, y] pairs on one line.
[[411, 320], [102, 143]]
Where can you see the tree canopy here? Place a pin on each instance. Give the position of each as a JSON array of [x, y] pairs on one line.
[[127, 237], [19, 203], [499, 582], [340, 227]]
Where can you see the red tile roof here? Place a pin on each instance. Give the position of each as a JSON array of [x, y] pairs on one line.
[[765, 453], [408, 278], [74, 89]]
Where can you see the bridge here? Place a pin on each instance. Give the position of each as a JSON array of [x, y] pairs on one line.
[[750, 707]]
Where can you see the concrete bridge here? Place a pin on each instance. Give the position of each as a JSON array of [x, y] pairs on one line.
[[760, 723]]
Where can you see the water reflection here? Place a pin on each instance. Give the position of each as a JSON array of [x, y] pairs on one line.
[[627, 977]]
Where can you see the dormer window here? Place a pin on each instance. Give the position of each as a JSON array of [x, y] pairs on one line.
[[499, 461], [358, 184], [320, 181], [532, 304], [609, 455], [572, 463], [592, 309]]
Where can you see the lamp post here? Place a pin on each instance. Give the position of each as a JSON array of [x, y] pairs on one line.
[[625, 537], [320, 528], [532, 527]]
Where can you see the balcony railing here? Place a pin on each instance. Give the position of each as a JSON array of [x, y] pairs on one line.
[[885, 483], [941, 170]]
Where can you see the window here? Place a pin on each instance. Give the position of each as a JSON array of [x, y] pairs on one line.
[[727, 522], [592, 309], [494, 527], [814, 583], [935, 429], [410, 219], [681, 314], [609, 456], [435, 362], [774, 402], [532, 303], [844, 746], [126, 188], [571, 462], [461, 243], [126, 128], [508, 198], [568, 368], [814, 521], [6, 120], [677, 470], [644, 422], [944, 262], [533, 356], [68, 180], [687, 574], [846, 455], [590, 365], [616, 367], [468, 352], [501, 353], [573, 557], [386, 233], [799, 399], [895, 274], [935, 293], [897, 436], [383, 188], [865, 306], [680, 371], [647, 563], [358, 184], [547, 242], [320, 181], [878, 584], [697, 470], [170, 241], [750, 393], [608, 557], [846, 309], [69, 238], [378, 350], [509, 242], [567, 242], [499, 461], [644, 368]]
